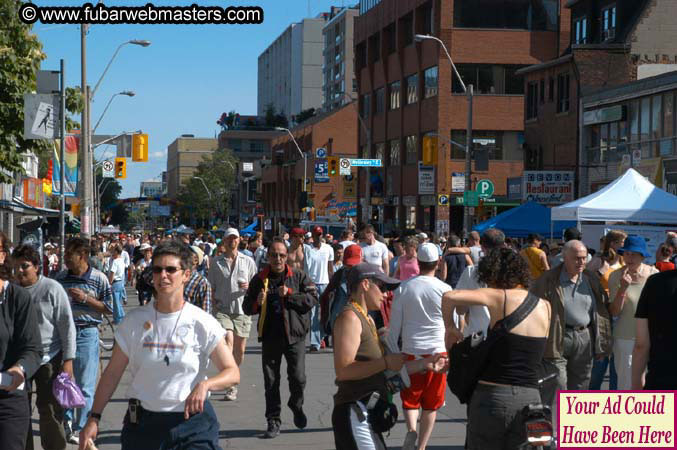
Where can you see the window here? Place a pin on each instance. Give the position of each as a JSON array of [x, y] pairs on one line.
[[644, 126], [581, 30], [551, 89], [380, 151], [668, 125], [532, 100], [489, 79], [374, 48], [412, 149], [609, 23], [394, 89], [633, 114], [430, 80], [366, 106], [412, 89], [390, 38], [515, 14], [563, 92], [258, 146], [379, 100], [360, 56], [425, 17], [542, 90], [407, 30], [395, 152], [493, 141]]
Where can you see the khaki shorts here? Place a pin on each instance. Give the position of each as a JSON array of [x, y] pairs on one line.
[[240, 324]]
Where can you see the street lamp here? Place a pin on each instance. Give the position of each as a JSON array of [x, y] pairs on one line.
[[468, 138], [204, 184], [139, 42], [127, 93], [366, 212], [303, 155]]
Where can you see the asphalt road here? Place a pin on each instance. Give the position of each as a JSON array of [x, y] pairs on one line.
[[243, 422]]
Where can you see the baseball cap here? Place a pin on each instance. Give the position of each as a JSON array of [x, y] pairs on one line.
[[231, 232], [317, 230], [198, 251], [364, 271], [352, 255], [144, 246], [422, 235], [428, 253], [298, 231], [308, 235]]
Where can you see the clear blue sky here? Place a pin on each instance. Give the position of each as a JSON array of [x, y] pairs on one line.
[[183, 82]]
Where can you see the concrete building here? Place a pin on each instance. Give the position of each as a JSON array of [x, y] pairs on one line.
[[152, 188], [335, 132], [251, 146], [406, 91], [290, 69], [338, 69], [612, 43], [183, 157]]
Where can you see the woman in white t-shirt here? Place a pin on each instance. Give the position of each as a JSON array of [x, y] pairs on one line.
[[116, 276], [167, 345]]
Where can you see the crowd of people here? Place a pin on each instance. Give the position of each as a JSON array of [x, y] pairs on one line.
[[390, 309]]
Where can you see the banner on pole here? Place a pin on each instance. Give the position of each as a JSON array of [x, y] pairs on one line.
[[71, 167]]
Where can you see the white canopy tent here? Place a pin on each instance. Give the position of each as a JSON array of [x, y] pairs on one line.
[[629, 198]]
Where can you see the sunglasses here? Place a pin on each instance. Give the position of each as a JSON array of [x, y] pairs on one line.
[[382, 287], [169, 269], [277, 255]]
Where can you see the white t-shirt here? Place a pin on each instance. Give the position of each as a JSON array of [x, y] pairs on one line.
[[316, 262], [374, 254], [478, 318], [125, 258], [346, 244], [476, 254], [117, 266], [165, 367], [416, 314]]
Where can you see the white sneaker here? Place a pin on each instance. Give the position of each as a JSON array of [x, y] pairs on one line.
[[73, 439], [410, 441], [231, 394]]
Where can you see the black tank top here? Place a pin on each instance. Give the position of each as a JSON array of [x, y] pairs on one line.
[[515, 360]]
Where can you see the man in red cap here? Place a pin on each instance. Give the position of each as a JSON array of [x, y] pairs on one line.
[[318, 265], [295, 258], [335, 296]]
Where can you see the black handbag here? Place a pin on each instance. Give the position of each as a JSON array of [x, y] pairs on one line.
[[469, 358]]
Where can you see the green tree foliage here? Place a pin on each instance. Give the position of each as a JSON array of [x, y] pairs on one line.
[[275, 119], [20, 57], [305, 115], [218, 172]]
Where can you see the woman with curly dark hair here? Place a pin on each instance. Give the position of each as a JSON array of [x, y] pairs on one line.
[[510, 380]]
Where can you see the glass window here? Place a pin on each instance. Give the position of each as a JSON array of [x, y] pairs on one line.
[[656, 117], [541, 90], [645, 119], [407, 29], [563, 93], [394, 89], [395, 152], [366, 105], [380, 151], [551, 89], [412, 89], [668, 115], [430, 77], [515, 14], [411, 145], [458, 136], [609, 23], [379, 100], [633, 114], [581, 30], [532, 100], [489, 79]]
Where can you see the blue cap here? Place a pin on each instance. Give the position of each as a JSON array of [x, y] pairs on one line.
[[636, 244]]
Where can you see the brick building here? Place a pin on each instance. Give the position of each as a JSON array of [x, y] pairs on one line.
[[406, 91], [612, 42], [282, 181], [183, 157]]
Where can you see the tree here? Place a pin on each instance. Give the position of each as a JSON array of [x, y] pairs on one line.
[[218, 173], [305, 115], [110, 193], [20, 58], [275, 119]]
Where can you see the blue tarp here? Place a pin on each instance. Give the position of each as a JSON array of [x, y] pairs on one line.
[[525, 219], [250, 229]]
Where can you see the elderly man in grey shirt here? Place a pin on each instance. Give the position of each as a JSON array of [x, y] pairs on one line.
[[57, 334], [580, 327]]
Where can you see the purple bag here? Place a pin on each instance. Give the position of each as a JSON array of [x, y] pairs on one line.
[[67, 393]]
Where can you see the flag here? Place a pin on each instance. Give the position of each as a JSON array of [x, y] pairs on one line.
[[71, 169], [47, 181]]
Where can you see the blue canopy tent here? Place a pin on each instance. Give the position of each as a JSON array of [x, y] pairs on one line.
[[523, 220], [251, 229]]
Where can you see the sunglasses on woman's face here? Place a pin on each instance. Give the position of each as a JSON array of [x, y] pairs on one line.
[[171, 270], [382, 287]]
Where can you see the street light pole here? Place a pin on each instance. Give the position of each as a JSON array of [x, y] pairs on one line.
[[127, 93], [468, 138]]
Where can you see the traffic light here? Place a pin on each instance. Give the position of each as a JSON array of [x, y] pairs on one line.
[[120, 168], [140, 147], [333, 166], [303, 199], [430, 150]]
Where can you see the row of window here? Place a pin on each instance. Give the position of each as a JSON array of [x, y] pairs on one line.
[[648, 125], [395, 91], [581, 26], [537, 15], [536, 95], [489, 79]]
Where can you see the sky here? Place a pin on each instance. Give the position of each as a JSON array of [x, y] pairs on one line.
[[183, 81]]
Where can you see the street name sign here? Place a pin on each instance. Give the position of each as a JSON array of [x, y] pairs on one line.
[[365, 163]]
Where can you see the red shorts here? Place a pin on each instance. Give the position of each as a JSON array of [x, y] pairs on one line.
[[426, 391]]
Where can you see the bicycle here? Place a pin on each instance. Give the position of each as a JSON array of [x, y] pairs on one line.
[[106, 329]]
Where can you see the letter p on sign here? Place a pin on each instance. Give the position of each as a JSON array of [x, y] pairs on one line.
[[485, 188]]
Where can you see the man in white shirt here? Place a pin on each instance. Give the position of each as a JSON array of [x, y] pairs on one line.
[[373, 251], [416, 316], [475, 247], [318, 261], [347, 238], [229, 276], [477, 317]]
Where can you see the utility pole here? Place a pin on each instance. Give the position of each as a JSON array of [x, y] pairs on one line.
[[468, 161], [62, 170], [87, 179]]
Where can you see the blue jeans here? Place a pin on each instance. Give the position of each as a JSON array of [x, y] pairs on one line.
[[316, 333], [86, 370], [598, 372], [118, 297]]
